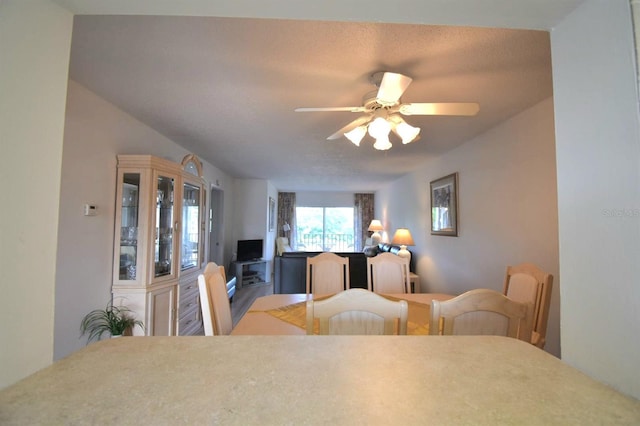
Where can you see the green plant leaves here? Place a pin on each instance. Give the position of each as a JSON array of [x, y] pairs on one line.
[[114, 320]]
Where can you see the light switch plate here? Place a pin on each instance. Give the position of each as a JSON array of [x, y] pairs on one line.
[[90, 210]]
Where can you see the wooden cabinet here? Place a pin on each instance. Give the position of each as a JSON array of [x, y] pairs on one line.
[[159, 241], [161, 311]]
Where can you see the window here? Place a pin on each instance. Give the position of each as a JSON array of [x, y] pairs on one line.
[[325, 229]]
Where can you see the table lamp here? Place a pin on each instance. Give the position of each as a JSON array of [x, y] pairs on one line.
[[375, 226], [403, 238]]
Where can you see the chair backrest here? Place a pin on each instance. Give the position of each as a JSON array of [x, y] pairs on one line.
[[481, 312], [216, 311], [388, 273], [327, 273], [356, 312], [528, 283]]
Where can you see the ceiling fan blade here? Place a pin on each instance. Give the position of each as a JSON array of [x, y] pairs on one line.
[[392, 87], [321, 109], [459, 108], [349, 127]]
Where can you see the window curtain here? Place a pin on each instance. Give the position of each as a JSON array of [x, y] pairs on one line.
[[363, 215], [287, 214]]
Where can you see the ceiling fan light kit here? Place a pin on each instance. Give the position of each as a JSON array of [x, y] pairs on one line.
[[379, 127], [382, 143], [381, 110], [405, 131], [356, 135]]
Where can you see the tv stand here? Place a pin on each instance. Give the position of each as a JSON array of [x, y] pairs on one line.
[[250, 272]]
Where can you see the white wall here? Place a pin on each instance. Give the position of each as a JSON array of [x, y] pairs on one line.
[[95, 132], [250, 207], [598, 155], [507, 210], [35, 39], [270, 241]]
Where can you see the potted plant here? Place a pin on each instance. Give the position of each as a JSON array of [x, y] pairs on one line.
[[114, 320]]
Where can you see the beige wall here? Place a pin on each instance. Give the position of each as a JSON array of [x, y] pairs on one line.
[[598, 134], [34, 40], [507, 210], [95, 132]]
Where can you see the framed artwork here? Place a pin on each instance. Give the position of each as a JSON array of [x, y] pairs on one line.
[[444, 206], [272, 214]]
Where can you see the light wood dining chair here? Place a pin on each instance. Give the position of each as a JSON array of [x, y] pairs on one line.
[[388, 273], [327, 273], [357, 312], [481, 312], [214, 302], [529, 284]]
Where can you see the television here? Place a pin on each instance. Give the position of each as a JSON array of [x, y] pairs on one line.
[[249, 250]]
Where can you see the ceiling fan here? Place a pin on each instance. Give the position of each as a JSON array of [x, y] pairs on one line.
[[382, 112]]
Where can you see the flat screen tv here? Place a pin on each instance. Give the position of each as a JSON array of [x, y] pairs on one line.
[[249, 250]]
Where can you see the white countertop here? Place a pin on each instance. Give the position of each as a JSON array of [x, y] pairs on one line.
[[313, 380]]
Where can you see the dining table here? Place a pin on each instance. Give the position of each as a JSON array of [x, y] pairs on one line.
[[313, 380], [285, 314]]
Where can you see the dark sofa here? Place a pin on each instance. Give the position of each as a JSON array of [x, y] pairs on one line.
[[290, 274]]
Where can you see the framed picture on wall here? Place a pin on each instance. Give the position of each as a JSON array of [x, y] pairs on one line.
[[272, 214], [444, 206]]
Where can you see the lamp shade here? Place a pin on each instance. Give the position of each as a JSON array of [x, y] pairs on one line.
[[286, 227], [375, 225], [402, 237]]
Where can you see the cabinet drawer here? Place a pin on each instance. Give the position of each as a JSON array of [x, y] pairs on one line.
[[188, 319], [193, 329], [189, 303], [188, 290]]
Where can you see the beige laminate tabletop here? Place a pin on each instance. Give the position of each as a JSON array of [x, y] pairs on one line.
[[333, 380], [259, 321]]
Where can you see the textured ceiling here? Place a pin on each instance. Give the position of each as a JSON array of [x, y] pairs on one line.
[[226, 88]]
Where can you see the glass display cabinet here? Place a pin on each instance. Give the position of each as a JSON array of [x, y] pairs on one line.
[[190, 242], [129, 227], [164, 227], [158, 242]]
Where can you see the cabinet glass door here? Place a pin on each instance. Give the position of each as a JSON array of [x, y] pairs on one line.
[[129, 226], [190, 226], [164, 227]]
